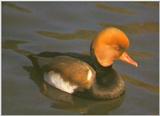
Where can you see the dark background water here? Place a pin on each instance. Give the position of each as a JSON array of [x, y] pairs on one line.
[[34, 27]]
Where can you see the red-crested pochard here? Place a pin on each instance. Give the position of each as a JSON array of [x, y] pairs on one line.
[[70, 74]]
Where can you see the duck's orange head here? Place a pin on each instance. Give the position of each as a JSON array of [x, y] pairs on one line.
[[110, 45]]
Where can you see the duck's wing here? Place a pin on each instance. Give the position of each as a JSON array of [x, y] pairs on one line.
[[73, 70]]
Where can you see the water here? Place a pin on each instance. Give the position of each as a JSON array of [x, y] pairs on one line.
[[35, 27]]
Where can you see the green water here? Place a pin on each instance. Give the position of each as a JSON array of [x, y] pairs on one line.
[[35, 27]]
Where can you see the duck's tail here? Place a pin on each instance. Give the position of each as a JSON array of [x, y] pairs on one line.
[[34, 60], [39, 61]]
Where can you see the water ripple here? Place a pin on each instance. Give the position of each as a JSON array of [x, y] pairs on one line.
[[14, 45], [150, 4], [136, 28], [80, 34], [114, 9], [140, 54], [141, 84], [16, 7]]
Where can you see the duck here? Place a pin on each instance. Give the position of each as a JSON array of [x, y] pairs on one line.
[[72, 74]]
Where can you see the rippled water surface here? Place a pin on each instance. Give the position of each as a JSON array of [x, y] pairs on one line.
[[35, 27]]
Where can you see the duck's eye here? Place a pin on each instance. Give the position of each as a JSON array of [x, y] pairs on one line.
[[122, 48], [117, 48]]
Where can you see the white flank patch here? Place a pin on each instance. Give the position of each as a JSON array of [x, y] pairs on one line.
[[89, 75], [57, 81]]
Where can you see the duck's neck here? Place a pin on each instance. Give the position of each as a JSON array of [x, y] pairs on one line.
[[108, 84], [98, 67]]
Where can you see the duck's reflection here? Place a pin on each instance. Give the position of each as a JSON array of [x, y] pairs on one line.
[[83, 102]]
